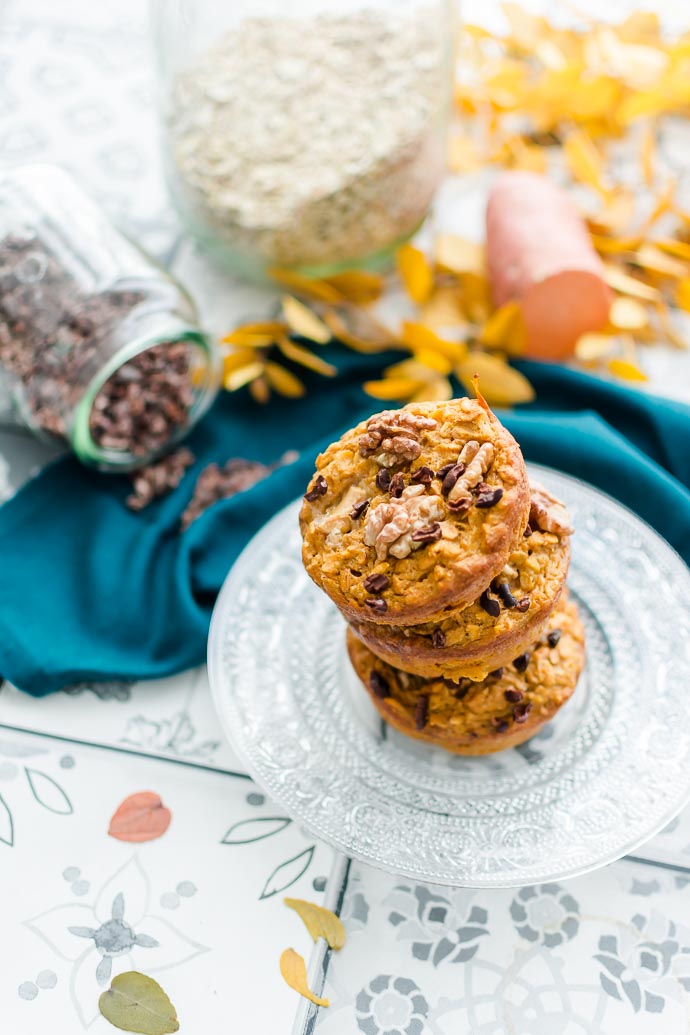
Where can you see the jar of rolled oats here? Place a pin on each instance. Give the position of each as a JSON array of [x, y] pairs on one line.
[[100, 348], [308, 135]]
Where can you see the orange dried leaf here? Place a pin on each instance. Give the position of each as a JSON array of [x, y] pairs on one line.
[[444, 309], [237, 378], [320, 922], [437, 390], [584, 161], [246, 339], [501, 385], [463, 154], [259, 390], [411, 369], [250, 334], [625, 369], [306, 358], [669, 245], [615, 245], [303, 322], [294, 972], [434, 361], [240, 358], [655, 261], [308, 287], [648, 153], [683, 294], [415, 272], [505, 329], [628, 285], [416, 336], [664, 203], [359, 330]]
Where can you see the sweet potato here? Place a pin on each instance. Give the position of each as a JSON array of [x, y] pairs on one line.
[[539, 252]]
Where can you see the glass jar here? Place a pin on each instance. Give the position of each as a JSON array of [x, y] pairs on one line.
[[99, 346], [307, 135]]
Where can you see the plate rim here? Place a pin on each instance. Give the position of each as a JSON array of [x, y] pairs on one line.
[[215, 638]]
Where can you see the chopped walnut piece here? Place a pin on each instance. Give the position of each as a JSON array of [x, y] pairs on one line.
[[547, 514], [393, 436], [477, 460], [391, 525]]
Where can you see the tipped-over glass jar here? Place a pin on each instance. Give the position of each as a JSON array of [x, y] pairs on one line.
[[307, 135], [99, 346]]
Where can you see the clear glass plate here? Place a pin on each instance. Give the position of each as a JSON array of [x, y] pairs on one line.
[[609, 772]]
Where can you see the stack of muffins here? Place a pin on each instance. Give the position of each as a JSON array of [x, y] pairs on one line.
[[450, 568]]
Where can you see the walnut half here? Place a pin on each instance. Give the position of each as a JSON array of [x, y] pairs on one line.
[[547, 514], [393, 436], [391, 527]]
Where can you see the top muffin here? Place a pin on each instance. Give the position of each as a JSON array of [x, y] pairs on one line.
[[414, 510]]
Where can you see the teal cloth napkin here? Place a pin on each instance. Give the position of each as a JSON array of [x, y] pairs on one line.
[[91, 591]]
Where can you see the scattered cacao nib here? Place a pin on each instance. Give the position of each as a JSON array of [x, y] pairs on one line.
[[438, 638], [462, 505], [422, 476], [500, 725], [376, 604], [528, 531], [421, 711], [503, 591], [496, 674], [490, 604], [429, 534], [522, 604], [443, 471], [357, 574], [379, 684], [218, 483], [457, 687], [383, 479], [487, 497], [376, 583], [521, 662], [521, 711], [554, 636], [397, 485], [158, 479], [359, 509], [451, 477], [513, 696], [319, 488]]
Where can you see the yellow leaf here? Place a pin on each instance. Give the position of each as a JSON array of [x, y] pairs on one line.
[[683, 294], [255, 334], [437, 390], [359, 286], [359, 330], [627, 314], [625, 369], [654, 260], [240, 358], [306, 358], [237, 378], [416, 336], [616, 214], [648, 153], [434, 361], [627, 285], [663, 204], [670, 333], [584, 160], [474, 293], [615, 245], [294, 971], [593, 98], [416, 273], [458, 255], [443, 309], [320, 922], [309, 287], [284, 381], [505, 329], [500, 384], [303, 322], [259, 390], [669, 245], [590, 347], [463, 154], [411, 369], [392, 388]]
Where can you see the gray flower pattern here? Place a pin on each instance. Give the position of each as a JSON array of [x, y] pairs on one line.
[[645, 964], [546, 914], [440, 926], [391, 1005], [113, 938]]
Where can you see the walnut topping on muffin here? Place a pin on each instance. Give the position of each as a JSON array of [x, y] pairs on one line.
[[394, 528], [393, 436]]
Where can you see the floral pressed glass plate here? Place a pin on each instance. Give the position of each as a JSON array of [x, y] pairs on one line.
[[607, 773]]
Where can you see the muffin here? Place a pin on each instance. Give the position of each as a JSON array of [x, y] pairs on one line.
[[478, 718], [509, 616], [415, 510]]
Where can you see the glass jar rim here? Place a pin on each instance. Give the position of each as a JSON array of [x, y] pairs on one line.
[[81, 439]]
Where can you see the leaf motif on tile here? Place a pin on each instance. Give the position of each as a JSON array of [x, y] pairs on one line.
[[290, 871], [135, 1002], [247, 831], [6, 823], [140, 817], [48, 792]]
